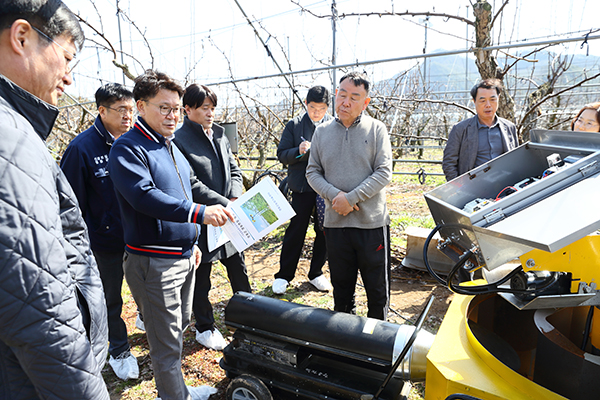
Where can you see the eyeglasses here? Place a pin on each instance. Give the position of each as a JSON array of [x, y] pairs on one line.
[[166, 110], [123, 111], [586, 123], [73, 61]]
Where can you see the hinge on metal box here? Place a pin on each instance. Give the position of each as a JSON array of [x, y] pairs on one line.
[[494, 216], [589, 169]]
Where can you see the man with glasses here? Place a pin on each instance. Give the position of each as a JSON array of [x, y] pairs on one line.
[[153, 186], [481, 138], [84, 164], [53, 329]]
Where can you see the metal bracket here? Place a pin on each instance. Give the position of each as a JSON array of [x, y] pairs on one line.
[[589, 169], [494, 216]]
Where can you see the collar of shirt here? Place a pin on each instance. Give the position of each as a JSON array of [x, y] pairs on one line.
[[480, 125], [169, 140], [317, 123], [208, 133], [357, 120]]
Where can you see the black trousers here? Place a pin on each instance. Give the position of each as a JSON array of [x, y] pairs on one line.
[[238, 277], [110, 266], [368, 251], [304, 204]]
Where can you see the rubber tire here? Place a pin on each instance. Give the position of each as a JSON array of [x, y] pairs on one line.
[[246, 387]]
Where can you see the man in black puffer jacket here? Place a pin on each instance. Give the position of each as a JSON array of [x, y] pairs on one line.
[[53, 331]]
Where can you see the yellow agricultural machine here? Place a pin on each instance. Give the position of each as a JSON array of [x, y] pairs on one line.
[[528, 221]]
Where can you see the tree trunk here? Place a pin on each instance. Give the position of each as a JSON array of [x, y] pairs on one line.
[[485, 61]]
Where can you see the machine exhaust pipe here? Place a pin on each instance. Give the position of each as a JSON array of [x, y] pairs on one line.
[[340, 335]]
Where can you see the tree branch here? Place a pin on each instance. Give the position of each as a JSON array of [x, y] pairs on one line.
[[499, 12], [123, 67], [388, 13], [448, 103], [550, 96]]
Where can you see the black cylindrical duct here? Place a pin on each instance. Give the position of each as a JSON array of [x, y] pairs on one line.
[[341, 331]]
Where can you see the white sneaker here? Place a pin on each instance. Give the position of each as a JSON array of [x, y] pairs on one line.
[[321, 283], [125, 366], [280, 285], [211, 339], [200, 392], [140, 324]]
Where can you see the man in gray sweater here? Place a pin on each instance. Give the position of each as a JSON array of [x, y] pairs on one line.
[[350, 164]]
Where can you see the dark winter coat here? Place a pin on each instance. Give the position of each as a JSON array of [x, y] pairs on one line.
[[85, 165], [50, 288], [296, 131]]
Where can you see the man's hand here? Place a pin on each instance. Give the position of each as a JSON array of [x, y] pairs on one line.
[[341, 206], [216, 215], [304, 146], [197, 257]]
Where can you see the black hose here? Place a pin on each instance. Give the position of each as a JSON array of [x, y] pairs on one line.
[[479, 289]]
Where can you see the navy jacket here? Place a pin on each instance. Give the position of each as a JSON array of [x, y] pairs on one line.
[[47, 270], [219, 176], [288, 152], [85, 166], [153, 187]]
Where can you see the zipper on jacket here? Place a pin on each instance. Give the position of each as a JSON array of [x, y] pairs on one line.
[[170, 150]]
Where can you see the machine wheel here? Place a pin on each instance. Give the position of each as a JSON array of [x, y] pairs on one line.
[[246, 387]]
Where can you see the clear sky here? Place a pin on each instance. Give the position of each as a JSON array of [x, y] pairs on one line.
[[215, 39]]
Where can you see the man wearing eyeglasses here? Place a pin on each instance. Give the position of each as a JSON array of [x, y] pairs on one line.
[[53, 323], [153, 183], [85, 166], [481, 138]]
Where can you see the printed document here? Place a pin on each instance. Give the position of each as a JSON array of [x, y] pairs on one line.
[[257, 212]]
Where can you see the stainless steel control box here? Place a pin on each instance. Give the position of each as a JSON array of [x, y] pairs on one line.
[[546, 213]]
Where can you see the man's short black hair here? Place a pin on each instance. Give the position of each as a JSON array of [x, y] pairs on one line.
[[195, 95], [486, 84], [358, 79], [318, 94], [110, 93], [151, 82], [52, 17]]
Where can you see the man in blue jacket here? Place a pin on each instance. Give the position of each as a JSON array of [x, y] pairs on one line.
[[153, 186], [53, 329], [84, 164], [293, 151]]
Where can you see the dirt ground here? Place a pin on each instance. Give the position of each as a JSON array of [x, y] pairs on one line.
[[410, 290]]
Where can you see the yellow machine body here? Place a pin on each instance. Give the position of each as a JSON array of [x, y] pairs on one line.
[[581, 259], [459, 363]]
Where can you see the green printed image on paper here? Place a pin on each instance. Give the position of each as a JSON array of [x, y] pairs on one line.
[[259, 212]]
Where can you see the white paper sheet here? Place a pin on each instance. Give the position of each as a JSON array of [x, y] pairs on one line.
[[216, 237], [257, 212]]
